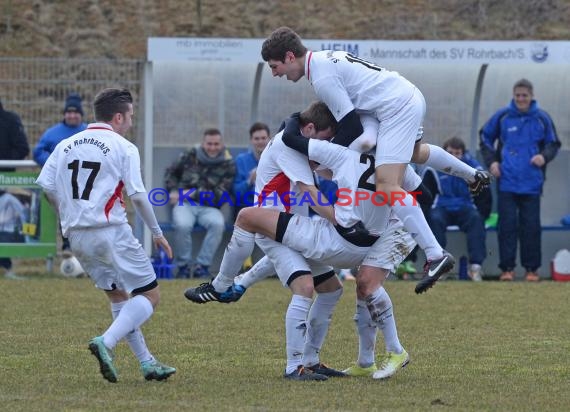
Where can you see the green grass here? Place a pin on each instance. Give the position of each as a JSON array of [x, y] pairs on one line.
[[487, 346]]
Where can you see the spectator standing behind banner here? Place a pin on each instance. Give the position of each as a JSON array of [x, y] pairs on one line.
[[517, 142], [246, 165], [13, 146], [454, 205], [200, 182], [71, 124]]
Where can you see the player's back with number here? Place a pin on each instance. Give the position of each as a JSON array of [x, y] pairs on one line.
[[90, 170]]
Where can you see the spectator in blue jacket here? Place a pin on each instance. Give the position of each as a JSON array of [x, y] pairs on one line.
[[517, 142], [71, 124], [454, 206], [246, 165]]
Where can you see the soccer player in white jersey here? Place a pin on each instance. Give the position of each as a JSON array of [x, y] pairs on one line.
[[283, 176], [350, 87], [84, 178], [378, 252]]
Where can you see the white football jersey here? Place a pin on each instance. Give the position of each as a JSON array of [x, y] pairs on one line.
[[345, 82], [279, 168], [354, 174], [87, 172]]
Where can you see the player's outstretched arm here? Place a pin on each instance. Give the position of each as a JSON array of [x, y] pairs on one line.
[[144, 210]]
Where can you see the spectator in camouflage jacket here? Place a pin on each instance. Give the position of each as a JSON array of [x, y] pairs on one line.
[[200, 183]]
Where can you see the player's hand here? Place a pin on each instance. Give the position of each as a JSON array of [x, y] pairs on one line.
[[161, 242], [495, 169]]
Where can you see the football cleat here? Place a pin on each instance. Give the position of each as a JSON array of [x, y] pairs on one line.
[[105, 357], [323, 369], [302, 374], [482, 180], [238, 291], [207, 293], [155, 370], [433, 271], [391, 364], [357, 370]]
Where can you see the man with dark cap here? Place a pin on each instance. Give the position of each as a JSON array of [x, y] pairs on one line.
[[72, 123]]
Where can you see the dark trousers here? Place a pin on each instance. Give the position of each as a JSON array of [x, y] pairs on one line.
[[469, 221], [519, 221], [6, 262]]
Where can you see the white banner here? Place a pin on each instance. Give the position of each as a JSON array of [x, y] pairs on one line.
[[382, 52]]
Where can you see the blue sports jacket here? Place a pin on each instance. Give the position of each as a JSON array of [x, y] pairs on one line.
[[52, 137], [518, 137], [245, 163]]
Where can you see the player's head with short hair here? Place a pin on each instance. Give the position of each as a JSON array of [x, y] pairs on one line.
[[281, 41], [115, 107], [319, 114], [111, 101], [455, 145]]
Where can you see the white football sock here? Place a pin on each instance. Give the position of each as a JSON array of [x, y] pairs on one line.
[[366, 329], [319, 320], [295, 330], [415, 222], [380, 307], [239, 248], [136, 311], [261, 270], [445, 162], [135, 339]]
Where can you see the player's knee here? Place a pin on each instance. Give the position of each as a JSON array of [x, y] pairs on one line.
[[151, 292], [303, 285], [244, 218]]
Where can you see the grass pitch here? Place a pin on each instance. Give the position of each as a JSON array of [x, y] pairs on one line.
[[473, 346]]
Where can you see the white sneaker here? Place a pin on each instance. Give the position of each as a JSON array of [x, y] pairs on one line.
[[475, 272], [391, 364]]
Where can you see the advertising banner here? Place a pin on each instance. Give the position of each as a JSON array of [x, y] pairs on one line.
[[381, 52], [28, 225]]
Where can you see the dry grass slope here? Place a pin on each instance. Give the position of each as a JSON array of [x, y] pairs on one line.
[[103, 28]]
